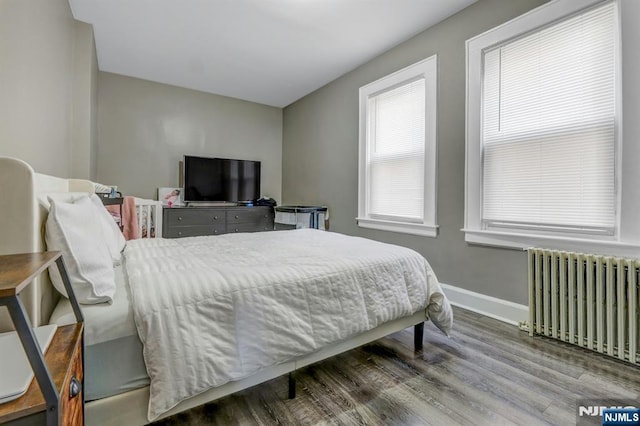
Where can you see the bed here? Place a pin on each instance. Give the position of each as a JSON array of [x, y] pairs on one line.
[[195, 319]]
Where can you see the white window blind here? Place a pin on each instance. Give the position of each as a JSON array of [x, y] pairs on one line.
[[548, 127], [396, 152]]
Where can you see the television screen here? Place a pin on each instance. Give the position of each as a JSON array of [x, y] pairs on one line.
[[220, 179]]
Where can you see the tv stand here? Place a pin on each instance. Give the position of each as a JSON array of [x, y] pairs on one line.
[[195, 221]]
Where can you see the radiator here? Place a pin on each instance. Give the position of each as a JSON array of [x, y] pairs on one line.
[[587, 300]]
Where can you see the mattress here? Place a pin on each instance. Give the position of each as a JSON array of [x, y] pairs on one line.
[[113, 351]]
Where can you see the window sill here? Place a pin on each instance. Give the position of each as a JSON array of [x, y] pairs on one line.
[[523, 241], [421, 229]]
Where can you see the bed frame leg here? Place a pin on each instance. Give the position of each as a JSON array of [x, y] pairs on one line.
[[418, 335], [292, 386]]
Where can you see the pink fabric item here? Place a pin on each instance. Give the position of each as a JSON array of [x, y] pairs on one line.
[[129, 218]]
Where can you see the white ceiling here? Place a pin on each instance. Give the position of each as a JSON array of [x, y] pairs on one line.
[[268, 51]]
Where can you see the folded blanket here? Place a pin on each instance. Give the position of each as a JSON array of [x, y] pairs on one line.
[[129, 219]]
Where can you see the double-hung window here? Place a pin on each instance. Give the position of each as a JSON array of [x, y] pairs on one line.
[[543, 117], [397, 151]]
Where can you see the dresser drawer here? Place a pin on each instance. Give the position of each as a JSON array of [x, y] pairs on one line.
[[255, 215], [193, 217], [71, 397], [264, 225], [192, 231]]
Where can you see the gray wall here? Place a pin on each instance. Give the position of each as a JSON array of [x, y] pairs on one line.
[[84, 138], [144, 129], [39, 86], [320, 153]]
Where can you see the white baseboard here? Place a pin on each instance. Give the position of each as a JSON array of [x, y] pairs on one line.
[[503, 310]]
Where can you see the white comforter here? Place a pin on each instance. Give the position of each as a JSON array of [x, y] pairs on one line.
[[214, 309]]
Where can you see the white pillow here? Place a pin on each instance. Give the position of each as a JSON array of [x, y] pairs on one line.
[[61, 197], [74, 229], [112, 235]]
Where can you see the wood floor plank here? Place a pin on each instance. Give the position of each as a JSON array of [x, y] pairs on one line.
[[572, 356], [523, 368], [512, 349], [487, 373], [466, 387], [560, 414], [452, 397], [321, 385], [504, 367], [612, 388], [578, 358], [501, 385], [372, 377]]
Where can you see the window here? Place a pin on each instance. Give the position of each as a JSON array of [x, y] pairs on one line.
[[397, 151], [543, 126]]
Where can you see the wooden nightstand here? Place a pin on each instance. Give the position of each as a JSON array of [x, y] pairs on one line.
[[55, 397]]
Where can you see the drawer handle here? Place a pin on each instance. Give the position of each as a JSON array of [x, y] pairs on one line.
[[75, 387], [266, 216], [215, 231], [236, 229], [236, 216], [179, 217], [215, 218], [179, 232]]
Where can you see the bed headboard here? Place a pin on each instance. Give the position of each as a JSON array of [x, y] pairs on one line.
[[22, 228]]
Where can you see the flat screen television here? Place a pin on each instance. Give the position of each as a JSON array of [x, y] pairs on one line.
[[220, 180]]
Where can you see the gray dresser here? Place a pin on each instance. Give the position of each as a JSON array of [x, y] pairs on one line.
[[180, 222]]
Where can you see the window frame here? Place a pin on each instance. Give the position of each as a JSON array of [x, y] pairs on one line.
[[426, 69], [626, 237]]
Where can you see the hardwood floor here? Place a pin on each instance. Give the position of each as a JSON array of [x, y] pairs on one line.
[[487, 373]]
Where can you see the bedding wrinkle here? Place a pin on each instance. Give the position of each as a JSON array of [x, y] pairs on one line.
[[201, 366], [411, 273], [341, 316], [210, 310], [310, 320]]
